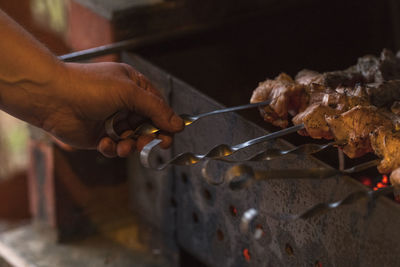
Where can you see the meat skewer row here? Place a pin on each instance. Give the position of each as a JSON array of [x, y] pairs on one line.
[[343, 105]]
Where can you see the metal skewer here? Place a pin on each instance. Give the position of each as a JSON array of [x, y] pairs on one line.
[[218, 152], [326, 206], [273, 153], [241, 176], [317, 209], [148, 128]]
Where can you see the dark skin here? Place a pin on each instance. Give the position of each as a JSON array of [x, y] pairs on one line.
[[71, 101]]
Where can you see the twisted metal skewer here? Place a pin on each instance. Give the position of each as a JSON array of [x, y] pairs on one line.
[[251, 214], [241, 176], [219, 152], [326, 206], [317, 209], [273, 153], [148, 128]]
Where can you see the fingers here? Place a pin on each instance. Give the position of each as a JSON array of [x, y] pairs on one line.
[[107, 147], [148, 101], [142, 141], [121, 149], [166, 140], [145, 100], [125, 147]]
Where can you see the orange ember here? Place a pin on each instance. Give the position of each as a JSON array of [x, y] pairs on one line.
[[246, 254], [233, 210], [366, 181], [380, 185], [385, 179]]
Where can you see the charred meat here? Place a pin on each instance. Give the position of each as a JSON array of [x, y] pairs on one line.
[[354, 127], [386, 144], [358, 106]]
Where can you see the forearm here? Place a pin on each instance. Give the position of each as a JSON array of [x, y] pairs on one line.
[[22, 57], [72, 101], [26, 66]]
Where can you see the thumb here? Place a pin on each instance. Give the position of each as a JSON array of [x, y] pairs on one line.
[[154, 107]]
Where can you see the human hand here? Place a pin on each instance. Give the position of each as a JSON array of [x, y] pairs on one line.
[[85, 95]]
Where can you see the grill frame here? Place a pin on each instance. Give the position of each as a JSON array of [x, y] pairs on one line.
[[358, 235]]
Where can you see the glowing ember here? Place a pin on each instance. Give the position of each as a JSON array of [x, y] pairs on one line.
[[246, 254], [233, 210], [366, 181]]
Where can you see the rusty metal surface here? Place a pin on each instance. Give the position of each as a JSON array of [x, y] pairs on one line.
[[208, 217]]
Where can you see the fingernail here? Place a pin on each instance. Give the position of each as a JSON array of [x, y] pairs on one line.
[[177, 122]]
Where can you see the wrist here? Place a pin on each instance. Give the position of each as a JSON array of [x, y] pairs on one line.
[[32, 98]]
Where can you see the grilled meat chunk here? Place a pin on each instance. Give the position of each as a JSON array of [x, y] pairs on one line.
[[307, 77], [349, 77], [378, 70], [286, 95], [354, 126], [383, 94], [386, 144], [332, 79], [395, 108], [314, 121], [325, 102]]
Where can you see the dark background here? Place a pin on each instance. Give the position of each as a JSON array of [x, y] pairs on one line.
[[227, 63]]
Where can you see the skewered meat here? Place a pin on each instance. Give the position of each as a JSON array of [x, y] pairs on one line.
[[378, 78], [287, 96], [333, 79], [351, 106], [321, 101], [307, 77], [395, 108], [386, 144], [378, 70], [354, 126], [314, 121], [384, 94]]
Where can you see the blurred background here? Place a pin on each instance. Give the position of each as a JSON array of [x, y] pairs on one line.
[[47, 21]]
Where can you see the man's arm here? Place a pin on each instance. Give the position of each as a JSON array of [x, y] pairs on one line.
[[72, 100]]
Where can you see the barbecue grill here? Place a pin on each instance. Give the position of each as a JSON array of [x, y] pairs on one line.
[[187, 215], [208, 217]]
